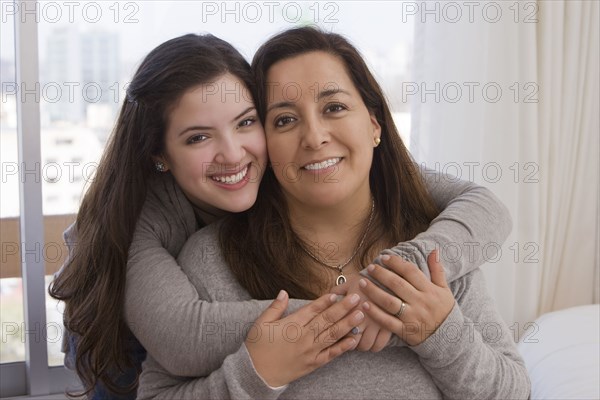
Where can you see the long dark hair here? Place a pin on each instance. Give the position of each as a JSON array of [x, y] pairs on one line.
[[260, 245], [92, 284]]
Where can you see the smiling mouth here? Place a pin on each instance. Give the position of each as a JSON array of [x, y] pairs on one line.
[[323, 164], [233, 178]]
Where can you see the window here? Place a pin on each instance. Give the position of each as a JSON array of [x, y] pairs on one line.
[[87, 53]]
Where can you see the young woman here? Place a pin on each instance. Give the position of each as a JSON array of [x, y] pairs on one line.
[[187, 149], [338, 122]]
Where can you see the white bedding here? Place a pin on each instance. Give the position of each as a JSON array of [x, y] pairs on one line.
[[563, 355]]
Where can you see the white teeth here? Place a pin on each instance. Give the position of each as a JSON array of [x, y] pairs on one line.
[[232, 179], [323, 164]]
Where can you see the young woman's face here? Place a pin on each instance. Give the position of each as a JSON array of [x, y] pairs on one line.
[[320, 134], [215, 145]]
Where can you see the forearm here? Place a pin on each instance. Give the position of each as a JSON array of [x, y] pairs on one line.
[[236, 378], [184, 333], [472, 354], [469, 230]]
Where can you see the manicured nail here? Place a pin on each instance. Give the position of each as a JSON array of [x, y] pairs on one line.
[[359, 316], [333, 297], [371, 268], [281, 295], [355, 330], [385, 257], [366, 306], [362, 283], [354, 298]]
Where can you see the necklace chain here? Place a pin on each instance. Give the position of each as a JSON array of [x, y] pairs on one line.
[[341, 278]]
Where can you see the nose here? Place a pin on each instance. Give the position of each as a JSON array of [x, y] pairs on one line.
[[231, 150], [315, 134]]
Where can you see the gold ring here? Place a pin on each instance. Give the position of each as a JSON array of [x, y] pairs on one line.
[[402, 307]]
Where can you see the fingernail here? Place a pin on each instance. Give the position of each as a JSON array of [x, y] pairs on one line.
[[385, 257], [281, 295], [366, 305], [362, 283], [351, 343], [355, 330], [359, 316], [371, 268], [333, 297], [354, 298]]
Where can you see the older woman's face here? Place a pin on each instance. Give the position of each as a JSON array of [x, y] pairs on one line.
[[320, 134]]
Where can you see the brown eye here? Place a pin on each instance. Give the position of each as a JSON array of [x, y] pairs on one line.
[[196, 139], [283, 121], [247, 122], [337, 107]]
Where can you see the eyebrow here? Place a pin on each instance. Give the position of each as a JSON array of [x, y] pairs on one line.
[[331, 92], [206, 128], [246, 111], [322, 94]]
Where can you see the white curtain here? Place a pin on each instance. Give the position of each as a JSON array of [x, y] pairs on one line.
[[508, 97]]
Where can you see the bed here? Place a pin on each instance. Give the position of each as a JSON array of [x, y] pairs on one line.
[[562, 353]]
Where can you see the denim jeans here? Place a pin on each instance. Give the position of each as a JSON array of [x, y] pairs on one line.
[[137, 354]]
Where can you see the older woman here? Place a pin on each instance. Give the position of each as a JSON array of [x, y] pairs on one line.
[[326, 207]]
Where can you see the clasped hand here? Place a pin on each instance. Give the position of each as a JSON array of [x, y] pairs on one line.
[[419, 305], [325, 329], [427, 303]]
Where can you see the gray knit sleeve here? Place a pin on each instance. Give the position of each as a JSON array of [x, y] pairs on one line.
[[472, 354], [184, 333], [471, 226], [236, 378]]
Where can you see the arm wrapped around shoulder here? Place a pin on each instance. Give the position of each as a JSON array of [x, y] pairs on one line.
[[472, 224]]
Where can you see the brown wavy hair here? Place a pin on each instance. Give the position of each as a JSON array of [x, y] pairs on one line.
[[92, 284], [260, 246]]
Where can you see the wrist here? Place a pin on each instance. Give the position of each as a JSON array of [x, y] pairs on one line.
[[263, 371]]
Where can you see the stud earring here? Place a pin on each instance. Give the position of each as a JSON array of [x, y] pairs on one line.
[[377, 141], [160, 166]]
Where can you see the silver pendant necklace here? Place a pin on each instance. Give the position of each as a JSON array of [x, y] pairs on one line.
[[341, 279]]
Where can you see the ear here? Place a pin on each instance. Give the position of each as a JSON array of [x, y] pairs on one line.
[[376, 126], [157, 160]]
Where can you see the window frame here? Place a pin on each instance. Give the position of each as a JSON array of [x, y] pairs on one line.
[[33, 377]]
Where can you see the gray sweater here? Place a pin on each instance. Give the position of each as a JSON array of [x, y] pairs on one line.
[[166, 314], [470, 356]]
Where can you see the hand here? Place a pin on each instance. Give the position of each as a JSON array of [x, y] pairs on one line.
[[371, 336], [285, 349], [427, 303]]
